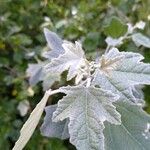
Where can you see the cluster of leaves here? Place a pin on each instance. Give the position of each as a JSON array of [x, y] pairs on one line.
[[21, 40], [103, 90]]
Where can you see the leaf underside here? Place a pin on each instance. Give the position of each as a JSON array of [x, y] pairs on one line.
[[133, 133], [54, 129]]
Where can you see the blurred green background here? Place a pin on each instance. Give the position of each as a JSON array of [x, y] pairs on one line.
[[22, 41]]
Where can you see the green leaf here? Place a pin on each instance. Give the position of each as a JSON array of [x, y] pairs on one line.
[[115, 28], [87, 108], [20, 39], [91, 41], [133, 133]]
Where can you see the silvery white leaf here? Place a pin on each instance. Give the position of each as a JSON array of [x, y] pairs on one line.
[[140, 39], [72, 59], [49, 80], [114, 52], [137, 92], [131, 68], [54, 43], [140, 25], [87, 108], [35, 73], [133, 133], [115, 85], [30, 125], [133, 71], [113, 42], [122, 79], [54, 129]]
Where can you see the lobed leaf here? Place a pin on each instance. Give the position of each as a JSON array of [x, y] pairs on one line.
[[87, 108], [72, 59], [54, 43], [124, 76]]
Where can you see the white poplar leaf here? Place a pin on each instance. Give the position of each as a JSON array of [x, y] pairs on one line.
[[140, 39], [140, 25], [115, 85], [138, 92], [134, 131], [54, 129], [49, 80], [113, 42], [35, 73], [72, 59], [30, 125], [87, 108], [133, 70], [54, 43], [124, 76]]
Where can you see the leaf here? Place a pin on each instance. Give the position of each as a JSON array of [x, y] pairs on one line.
[[20, 39], [115, 28], [54, 43], [35, 73], [124, 75], [91, 41], [49, 80], [72, 59], [140, 25], [53, 129], [133, 133], [113, 42], [30, 125], [115, 85], [137, 92], [132, 70], [87, 108], [140, 39]]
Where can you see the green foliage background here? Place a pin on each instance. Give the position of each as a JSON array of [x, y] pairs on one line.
[[21, 35]]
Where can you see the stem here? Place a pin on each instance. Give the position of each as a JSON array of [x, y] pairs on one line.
[[88, 82], [50, 92], [107, 49]]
